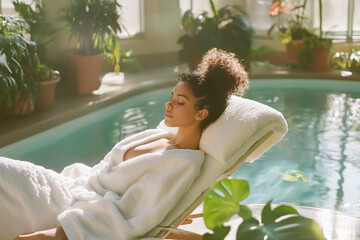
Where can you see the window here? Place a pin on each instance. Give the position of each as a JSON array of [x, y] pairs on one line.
[[6, 7], [356, 19], [342, 23], [132, 16]]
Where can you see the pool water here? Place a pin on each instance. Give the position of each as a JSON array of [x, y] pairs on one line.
[[316, 164]]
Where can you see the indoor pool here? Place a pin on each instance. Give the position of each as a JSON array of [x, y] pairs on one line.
[[316, 164]]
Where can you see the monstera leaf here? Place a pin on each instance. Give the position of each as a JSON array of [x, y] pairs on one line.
[[281, 223], [223, 201], [284, 222]]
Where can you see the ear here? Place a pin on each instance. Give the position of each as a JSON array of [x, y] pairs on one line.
[[202, 114]]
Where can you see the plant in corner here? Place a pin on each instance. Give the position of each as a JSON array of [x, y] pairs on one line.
[[305, 48], [94, 24], [41, 29], [290, 34], [281, 223], [316, 46], [18, 57], [228, 28], [347, 61]]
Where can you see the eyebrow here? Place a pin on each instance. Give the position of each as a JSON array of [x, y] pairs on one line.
[[180, 95]]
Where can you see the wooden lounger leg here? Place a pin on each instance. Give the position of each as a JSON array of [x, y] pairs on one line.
[[182, 234], [190, 218]]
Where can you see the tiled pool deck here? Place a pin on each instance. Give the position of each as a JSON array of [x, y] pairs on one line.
[[335, 225]]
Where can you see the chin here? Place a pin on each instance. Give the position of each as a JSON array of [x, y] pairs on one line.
[[169, 123]]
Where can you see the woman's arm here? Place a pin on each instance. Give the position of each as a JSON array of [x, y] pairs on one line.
[[50, 234]]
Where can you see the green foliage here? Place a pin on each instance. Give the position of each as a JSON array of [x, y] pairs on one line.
[[95, 25], [349, 61], [305, 55], [228, 28], [297, 29], [258, 56], [281, 223], [128, 62], [18, 58], [39, 26], [222, 202]]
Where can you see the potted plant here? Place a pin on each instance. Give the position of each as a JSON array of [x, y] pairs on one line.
[[322, 47], [18, 57], [228, 28], [41, 29], [347, 61], [94, 24], [304, 47], [291, 34], [48, 79]]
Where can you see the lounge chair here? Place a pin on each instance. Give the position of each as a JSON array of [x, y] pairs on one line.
[[243, 132]]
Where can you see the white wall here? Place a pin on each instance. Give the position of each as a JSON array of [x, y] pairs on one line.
[[162, 29]]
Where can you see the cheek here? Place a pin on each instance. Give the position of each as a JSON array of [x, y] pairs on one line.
[[186, 115], [181, 116]]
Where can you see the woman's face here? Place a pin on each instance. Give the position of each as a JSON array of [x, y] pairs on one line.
[[181, 110]]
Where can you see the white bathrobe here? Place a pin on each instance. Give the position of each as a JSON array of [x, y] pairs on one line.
[[112, 200]]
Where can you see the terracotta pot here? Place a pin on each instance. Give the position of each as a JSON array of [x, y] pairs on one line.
[[20, 107], [87, 71], [46, 94], [321, 59], [291, 51]]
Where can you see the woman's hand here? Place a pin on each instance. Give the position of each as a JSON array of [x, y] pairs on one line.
[[50, 234]]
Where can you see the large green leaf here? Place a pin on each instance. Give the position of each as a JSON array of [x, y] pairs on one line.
[[269, 216], [223, 200], [218, 233], [294, 228], [282, 223], [248, 230]]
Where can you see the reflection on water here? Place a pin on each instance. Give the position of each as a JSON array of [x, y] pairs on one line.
[[323, 143], [132, 120], [136, 119]]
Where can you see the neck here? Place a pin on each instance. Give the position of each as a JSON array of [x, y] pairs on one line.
[[187, 138]]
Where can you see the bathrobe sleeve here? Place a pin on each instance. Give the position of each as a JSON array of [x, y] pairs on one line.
[[140, 193]]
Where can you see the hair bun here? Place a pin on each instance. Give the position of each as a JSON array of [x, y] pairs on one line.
[[223, 72]]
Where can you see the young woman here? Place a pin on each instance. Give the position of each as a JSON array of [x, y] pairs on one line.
[[137, 183]]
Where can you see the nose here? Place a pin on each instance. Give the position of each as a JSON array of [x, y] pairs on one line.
[[168, 105]]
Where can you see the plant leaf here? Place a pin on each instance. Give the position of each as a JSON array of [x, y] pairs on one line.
[[244, 212], [219, 233], [248, 229], [295, 228], [222, 202]]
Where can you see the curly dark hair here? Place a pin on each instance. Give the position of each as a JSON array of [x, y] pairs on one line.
[[217, 77]]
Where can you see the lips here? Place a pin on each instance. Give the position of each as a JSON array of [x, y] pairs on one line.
[[168, 115]]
